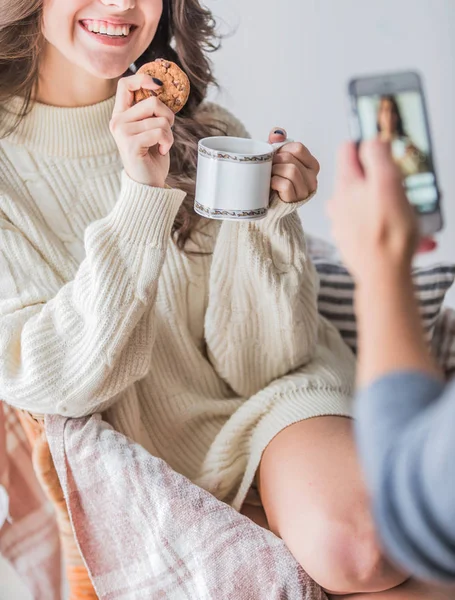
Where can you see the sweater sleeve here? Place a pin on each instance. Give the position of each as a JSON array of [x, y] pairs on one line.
[[405, 433], [70, 347], [262, 317]]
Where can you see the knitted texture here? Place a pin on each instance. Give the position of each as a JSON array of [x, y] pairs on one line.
[[100, 312]]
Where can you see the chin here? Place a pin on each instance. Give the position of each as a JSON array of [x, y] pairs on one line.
[[110, 70]]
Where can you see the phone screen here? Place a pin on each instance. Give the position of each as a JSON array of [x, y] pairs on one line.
[[400, 119]]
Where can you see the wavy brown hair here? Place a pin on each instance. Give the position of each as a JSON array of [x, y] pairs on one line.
[[185, 34]]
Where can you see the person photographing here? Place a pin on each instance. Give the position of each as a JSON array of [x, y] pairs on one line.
[[405, 411]]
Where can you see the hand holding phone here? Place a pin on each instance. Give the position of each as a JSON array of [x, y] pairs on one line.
[[373, 224], [392, 108]]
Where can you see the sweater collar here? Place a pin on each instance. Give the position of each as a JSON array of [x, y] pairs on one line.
[[65, 132]]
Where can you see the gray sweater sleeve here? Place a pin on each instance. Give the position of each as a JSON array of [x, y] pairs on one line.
[[406, 436]]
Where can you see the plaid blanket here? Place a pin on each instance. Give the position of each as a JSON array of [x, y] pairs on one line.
[[146, 532], [28, 536]]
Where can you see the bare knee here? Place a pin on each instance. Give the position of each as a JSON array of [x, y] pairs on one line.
[[343, 559]]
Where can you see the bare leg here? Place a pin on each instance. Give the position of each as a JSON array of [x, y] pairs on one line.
[[314, 497], [411, 590]]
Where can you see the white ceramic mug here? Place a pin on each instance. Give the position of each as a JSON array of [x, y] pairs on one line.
[[233, 178]]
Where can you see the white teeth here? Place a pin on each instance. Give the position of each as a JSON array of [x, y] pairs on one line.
[[105, 28]]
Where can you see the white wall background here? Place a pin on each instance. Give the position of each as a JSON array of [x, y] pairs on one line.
[[288, 62]]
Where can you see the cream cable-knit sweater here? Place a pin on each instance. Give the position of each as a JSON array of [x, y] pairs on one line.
[[99, 311]]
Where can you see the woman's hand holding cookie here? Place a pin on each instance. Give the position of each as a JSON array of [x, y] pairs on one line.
[[295, 170], [142, 131]]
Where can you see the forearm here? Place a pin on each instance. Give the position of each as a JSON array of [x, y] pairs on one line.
[[70, 348], [391, 336]]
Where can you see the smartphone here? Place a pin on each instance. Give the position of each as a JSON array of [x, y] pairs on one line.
[[392, 107]]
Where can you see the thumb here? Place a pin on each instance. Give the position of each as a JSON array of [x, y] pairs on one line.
[[375, 155], [349, 168], [277, 135]]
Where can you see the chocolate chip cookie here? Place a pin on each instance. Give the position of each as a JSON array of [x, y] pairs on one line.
[[176, 85]]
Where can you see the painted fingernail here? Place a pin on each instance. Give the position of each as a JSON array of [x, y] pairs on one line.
[[157, 81], [279, 132]]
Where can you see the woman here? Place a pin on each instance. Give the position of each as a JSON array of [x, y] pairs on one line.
[[405, 413], [390, 126], [116, 298]]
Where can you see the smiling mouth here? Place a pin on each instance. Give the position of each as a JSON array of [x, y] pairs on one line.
[[110, 30]]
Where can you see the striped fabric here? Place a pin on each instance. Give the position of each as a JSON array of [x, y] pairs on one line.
[[444, 341], [336, 292]]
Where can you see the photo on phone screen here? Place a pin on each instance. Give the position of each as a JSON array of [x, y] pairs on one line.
[[392, 108]]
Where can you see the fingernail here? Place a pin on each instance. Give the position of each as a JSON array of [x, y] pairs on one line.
[[279, 132], [157, 81]]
